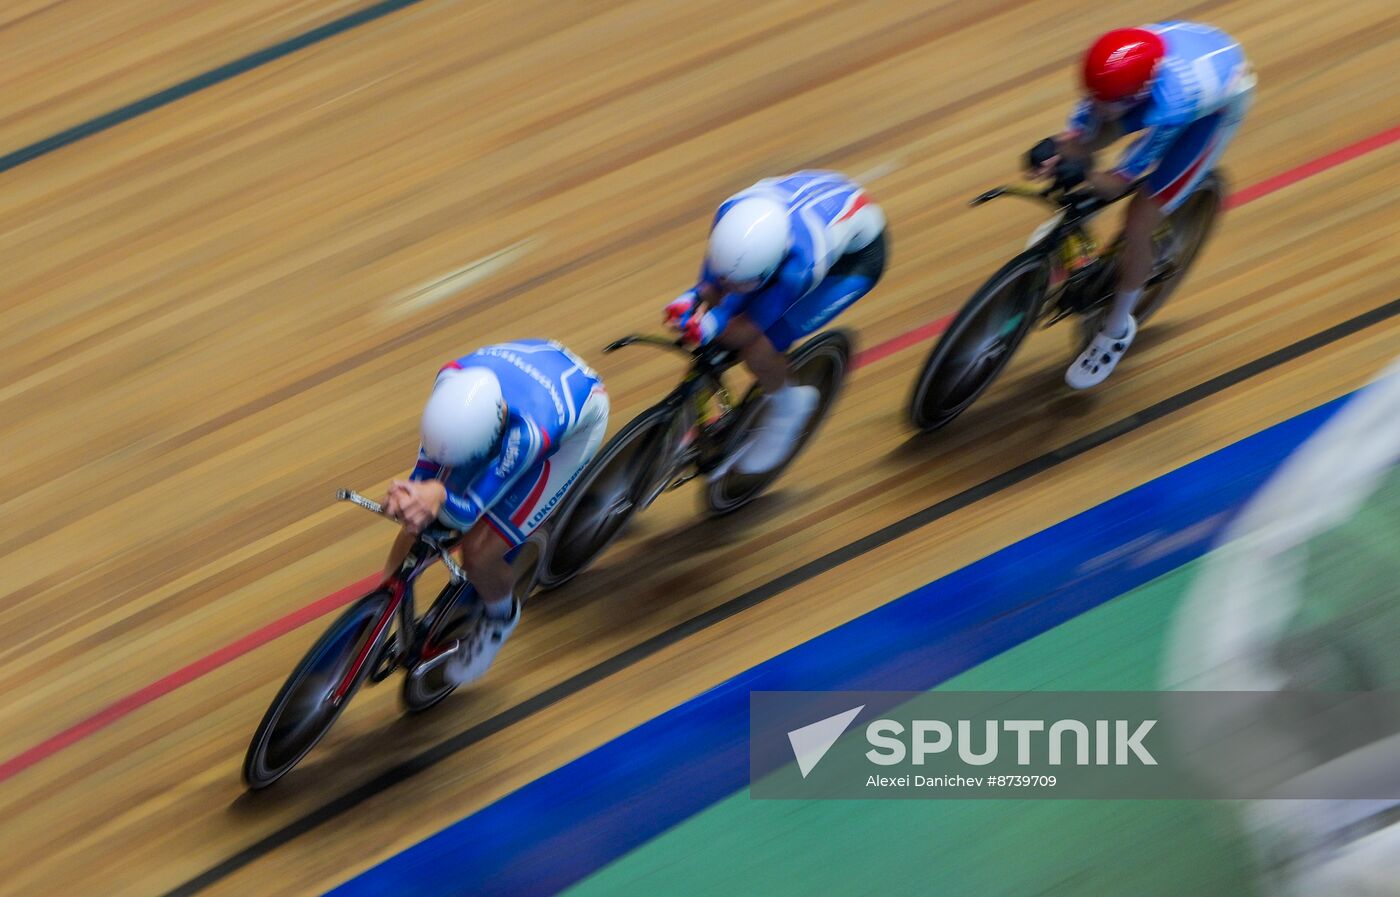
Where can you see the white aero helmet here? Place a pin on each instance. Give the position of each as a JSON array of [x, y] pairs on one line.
[[464, 417], [748, 243]]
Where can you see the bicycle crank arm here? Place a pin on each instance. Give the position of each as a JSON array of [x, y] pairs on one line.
[[423, 668]]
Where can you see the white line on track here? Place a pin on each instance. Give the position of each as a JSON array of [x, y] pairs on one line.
[[451, 284], [884, 169]]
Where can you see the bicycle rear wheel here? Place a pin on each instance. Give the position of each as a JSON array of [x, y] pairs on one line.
[[615, 485], [980, 341], [305, 709], [450, 619], [1191, 225], [821, 361]]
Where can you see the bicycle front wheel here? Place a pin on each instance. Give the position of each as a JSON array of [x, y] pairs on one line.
[[306, 706], [980, 341]]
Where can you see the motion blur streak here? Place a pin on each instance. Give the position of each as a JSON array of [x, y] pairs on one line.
[[343, 596]]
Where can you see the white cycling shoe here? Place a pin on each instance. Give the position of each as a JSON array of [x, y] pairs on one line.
[[478, 649], [787, 413], [1096, 362]]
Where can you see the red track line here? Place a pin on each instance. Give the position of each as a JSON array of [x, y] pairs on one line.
[[185, 675], [1316, 166], [286, 624], [889, 347]]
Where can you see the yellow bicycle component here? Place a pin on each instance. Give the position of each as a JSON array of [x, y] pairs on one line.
[[709, 407], [1078, 250]]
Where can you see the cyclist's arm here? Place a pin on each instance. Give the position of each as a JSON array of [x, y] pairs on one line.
[[721, 307], [1141, 156], [424, 469], [524, 444], [723, 311], [1107, 184], [1085, 133], [765, 305]]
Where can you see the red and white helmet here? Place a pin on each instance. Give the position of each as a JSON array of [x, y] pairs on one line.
[[1121, 64]]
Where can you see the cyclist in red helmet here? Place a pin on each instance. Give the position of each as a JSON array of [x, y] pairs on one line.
[[1184, 89]]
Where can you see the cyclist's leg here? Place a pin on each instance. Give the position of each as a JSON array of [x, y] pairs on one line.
[[490, 545], [1135, 263], [853, 275], [745, 337], [1197, 154], [791, 406], [528, 504], [1186, 164]]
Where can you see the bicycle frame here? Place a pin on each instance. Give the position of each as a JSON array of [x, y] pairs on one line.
[[433, 544], [701, 398], [1074, 252]]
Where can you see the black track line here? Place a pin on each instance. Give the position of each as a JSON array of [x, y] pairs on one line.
[[200, 82], [827, 562]]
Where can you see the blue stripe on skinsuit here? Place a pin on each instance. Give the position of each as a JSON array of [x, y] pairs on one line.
[[817, 309]]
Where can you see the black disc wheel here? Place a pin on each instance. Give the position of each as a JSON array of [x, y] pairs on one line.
[[821, 361], [305, 708], [449, 619], [980, 341], [624, 477]]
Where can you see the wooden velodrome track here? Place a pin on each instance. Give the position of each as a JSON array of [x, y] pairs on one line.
[[218, 310]]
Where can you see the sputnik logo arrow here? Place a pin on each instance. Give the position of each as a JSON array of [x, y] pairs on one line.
[[810, 743]]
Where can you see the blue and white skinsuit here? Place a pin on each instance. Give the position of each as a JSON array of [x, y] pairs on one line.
[[1200, 94], [557, 414], [836, 256]]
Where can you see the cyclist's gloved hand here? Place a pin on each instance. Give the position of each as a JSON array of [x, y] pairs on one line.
[[697, 330], [680, 309], [1041, 154]]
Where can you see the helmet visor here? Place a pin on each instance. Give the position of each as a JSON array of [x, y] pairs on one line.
[[731, 285]]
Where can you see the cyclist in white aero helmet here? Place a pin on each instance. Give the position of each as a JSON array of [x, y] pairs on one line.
[[748, 243], [505, 434], [464, 418], [785, 257]]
